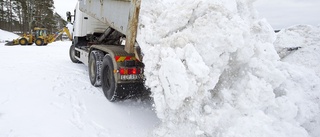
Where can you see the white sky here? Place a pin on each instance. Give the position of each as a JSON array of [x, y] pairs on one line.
[[279, 13], [285, 13]]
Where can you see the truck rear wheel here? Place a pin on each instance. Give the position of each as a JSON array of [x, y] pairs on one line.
[[94, 66], [72, 54], [107, 79]]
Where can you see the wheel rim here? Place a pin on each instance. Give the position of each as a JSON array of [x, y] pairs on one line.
[[23, 42], [38, 42]]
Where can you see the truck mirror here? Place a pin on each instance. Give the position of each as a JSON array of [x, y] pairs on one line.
[[68, 16], [68, 13]]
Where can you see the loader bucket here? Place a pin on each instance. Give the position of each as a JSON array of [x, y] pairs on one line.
[[10, 43]]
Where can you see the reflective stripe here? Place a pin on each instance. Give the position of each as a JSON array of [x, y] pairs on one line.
[[123, 58]]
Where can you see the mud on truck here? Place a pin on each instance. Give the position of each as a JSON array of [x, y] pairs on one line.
[[104, 39]]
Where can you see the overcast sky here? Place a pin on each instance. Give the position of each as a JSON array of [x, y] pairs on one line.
[[279, 13], [285, 13]]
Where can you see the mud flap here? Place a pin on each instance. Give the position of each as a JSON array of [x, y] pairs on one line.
[[131, 90]]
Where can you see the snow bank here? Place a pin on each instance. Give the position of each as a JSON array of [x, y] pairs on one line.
[[307, 60], [5, 35], [305, 40], [296, 37], [214, 71]]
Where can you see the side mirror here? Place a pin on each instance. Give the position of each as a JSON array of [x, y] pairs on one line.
[[68, 16]]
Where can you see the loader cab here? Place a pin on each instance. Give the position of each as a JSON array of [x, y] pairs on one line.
[[40, 32]]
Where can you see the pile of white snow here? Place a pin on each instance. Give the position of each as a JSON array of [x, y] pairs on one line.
[[7, 36], [300, 45], [213, 71], [307, 60], [296, 37]]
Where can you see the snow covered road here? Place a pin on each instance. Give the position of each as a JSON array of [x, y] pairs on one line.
[[44, 94]]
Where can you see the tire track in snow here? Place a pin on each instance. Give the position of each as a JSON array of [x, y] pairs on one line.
[[78, 107], [80, 120], [78, 110]]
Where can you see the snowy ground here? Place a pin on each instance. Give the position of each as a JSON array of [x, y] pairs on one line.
[[44, 94]]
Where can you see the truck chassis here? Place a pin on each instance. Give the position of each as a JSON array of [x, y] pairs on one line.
[[114, 66]]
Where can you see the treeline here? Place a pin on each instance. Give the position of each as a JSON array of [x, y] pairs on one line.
[[23, 15]]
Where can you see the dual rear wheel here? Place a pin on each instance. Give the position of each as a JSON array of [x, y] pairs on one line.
[[101, 74]]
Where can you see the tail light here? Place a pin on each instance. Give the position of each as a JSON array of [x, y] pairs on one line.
[[130, 73]]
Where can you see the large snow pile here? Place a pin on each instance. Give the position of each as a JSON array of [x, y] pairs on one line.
[[213, 71], [296, 37], [300, 45], [5, 35]]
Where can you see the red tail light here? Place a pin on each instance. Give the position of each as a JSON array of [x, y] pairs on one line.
[[132, 71], [123, 71], [129, 71]]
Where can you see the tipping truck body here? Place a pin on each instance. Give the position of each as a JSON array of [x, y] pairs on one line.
[[104, 39]]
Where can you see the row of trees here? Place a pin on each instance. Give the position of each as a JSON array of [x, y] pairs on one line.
[[23, 15]]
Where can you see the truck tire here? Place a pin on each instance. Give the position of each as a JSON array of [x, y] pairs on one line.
[[72, 54], [23, 41], [107, 79], [94, 67], [39, 42]]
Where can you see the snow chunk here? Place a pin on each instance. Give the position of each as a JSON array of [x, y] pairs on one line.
[[213, 71]]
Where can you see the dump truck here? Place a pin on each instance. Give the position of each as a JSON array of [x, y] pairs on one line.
[[104, 39], [40, 37]]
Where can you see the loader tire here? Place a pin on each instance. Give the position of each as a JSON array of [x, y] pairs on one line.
[[39, 42], [72, 54], [94, 67], [23, 41], [108, 83]]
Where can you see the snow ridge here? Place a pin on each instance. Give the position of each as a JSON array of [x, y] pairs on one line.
[[213, 71], [7, 36]]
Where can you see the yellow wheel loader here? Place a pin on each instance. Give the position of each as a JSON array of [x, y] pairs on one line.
[[40, 37]]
